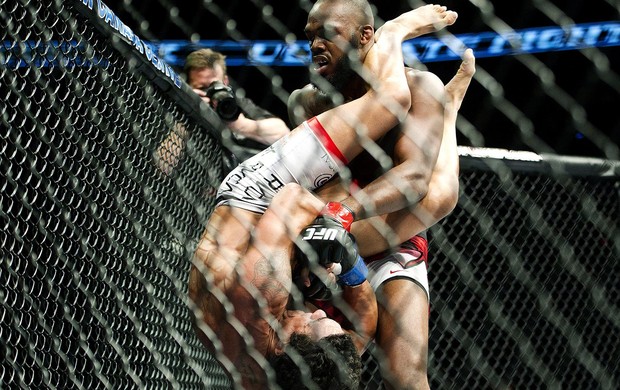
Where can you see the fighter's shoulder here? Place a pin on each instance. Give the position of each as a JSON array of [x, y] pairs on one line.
[[307, 102], [297, 105], [306, 92]]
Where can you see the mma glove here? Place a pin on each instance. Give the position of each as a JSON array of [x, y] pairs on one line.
[[317, 290], [328, 236], [340, 213]]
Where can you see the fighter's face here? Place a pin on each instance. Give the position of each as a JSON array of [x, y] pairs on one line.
[[333, 34], [316, 324]]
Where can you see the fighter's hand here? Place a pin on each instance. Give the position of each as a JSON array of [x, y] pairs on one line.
[[335, 249], [312, 287], [328, 236], [340, 213], [329, 240]]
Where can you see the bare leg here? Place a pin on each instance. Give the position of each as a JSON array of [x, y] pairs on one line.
[[442, 195], [403, 312], [443, 186], [402, 334]]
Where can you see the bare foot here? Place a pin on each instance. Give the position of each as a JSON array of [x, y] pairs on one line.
[[423, 20], [457, 86], [445, 174]]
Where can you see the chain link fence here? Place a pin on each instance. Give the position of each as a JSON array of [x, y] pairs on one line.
[[524, 276], [95, 234], [526, 282], [108, 167]]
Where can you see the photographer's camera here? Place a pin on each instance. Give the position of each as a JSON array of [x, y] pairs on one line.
[[223, 100]]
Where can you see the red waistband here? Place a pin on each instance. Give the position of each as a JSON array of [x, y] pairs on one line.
[[326, 140]]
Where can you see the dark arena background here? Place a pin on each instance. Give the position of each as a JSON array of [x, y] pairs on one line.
[[98, 234]]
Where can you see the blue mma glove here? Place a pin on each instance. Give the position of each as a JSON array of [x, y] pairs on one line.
[[351, 274]]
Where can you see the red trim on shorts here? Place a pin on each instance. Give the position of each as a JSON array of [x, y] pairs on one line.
[[326, 140], [416, 246]]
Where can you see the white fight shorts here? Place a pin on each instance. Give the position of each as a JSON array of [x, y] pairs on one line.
[[306, 156], [409, 262]]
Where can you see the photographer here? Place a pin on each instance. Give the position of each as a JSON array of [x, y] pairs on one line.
[[253, 128]]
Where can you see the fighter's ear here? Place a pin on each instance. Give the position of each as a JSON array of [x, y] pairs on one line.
[[367, 34]]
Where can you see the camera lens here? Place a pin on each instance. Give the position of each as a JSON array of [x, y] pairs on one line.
[[227, 108], [223, 101]]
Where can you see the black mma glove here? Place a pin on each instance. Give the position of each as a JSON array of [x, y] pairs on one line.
[[328, 236], [317, 290]]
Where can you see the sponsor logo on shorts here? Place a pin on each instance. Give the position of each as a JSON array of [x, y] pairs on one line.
[[321, 179]]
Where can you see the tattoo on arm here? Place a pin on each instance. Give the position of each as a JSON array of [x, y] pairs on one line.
[[253, 375], [268, 279]]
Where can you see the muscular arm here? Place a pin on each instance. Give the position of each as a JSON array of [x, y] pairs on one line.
[[442, 196], [228, 317], [266, 131], [306, 102], [223, 335], [416, 150], [239, 294], [363, 303], [415, 155]]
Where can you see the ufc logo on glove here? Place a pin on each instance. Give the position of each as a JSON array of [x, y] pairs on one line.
[[323, 233]]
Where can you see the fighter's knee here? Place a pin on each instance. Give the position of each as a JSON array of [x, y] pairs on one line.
[[443, 197], [293, 196], [290, 190], [296, 202]]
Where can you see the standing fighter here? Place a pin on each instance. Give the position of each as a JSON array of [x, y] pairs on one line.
[[237, 285], [338, 31]]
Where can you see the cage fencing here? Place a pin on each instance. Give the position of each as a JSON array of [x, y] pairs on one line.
[[109, 164]]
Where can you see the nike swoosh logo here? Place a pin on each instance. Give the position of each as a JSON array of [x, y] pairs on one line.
[[395, 271]]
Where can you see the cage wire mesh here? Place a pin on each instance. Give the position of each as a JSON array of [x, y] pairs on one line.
[[108, 179], [94, 258]]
